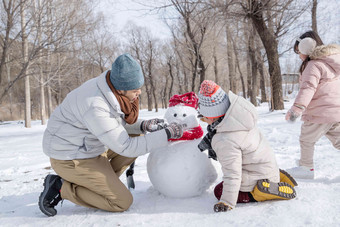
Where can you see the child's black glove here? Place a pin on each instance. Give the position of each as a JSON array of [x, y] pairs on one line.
[[221, 207]]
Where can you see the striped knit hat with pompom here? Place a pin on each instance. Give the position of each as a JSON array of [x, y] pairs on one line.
[[213, 101]]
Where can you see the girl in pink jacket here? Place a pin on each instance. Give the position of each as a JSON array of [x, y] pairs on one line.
[[318, 99]]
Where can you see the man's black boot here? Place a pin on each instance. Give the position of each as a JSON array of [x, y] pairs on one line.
[[50, 197]]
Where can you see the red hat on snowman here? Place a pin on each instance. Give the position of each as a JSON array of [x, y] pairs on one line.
[[187, 99]]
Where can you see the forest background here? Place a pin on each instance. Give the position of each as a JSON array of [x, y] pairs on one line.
[[48, 48]]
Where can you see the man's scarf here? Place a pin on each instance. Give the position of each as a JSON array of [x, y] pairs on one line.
[[131, 110], [205, 144]]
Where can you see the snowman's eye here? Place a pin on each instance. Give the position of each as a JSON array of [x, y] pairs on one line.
[[184, 115], [175, 115]]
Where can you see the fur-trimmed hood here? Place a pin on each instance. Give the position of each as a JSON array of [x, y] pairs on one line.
[[325, 50], [329, 54]]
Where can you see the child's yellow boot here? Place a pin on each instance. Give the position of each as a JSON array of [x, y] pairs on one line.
[[267, 190], [286, 177]]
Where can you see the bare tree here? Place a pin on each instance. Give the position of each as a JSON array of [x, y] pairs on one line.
[[164, 94], [270, 43], [182, 70], [49, 33], [239, 70], [25, 62], [8, 70], [280, 16], [36, 46], [262, 81], [150, 70], [169, 56], [196, 25], [143, 48], [64, 23], [231, 60], [253, 63], [38, 12], [270, 27], [100, 45], [11, 9]]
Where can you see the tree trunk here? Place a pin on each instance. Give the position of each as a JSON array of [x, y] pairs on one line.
[[164, 96], [25, 60], [147, 89], [249, 74], [231, 61], [314, 19], [8, 67], [262, 83], [199, 64], [201, 69], [271, 46], [49, 100], [194, 75], [215, 65], [154, 93], [239, 70], [180, 67], [42, 85], [252, 57], [59, 97], [172, 79], [10, 8], [42, 96], [150, 71], [49, 62]]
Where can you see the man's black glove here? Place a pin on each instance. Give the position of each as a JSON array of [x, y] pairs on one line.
[[152, 125]]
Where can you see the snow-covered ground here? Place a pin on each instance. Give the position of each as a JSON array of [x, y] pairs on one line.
[[23, 167]]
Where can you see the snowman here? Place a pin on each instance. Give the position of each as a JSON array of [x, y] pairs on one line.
[[180, 170]]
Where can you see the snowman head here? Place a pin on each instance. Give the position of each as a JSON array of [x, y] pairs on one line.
[[182, 115], [183, 110]]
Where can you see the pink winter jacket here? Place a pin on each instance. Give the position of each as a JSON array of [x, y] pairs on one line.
[[320, 86]]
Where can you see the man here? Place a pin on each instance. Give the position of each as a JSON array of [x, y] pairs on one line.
[[98, 115]]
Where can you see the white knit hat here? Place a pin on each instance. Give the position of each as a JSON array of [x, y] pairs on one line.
[[306, 46], [213, 101]]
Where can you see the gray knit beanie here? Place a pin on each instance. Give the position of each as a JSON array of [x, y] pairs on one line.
[[213, 101], [126, 74]]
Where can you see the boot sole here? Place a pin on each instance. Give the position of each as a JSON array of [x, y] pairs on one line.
[[289, 177], [42, 196], [277, 190]]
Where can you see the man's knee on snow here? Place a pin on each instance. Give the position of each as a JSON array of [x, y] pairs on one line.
[[121, 202]]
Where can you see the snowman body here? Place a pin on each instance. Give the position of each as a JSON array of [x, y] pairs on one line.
[[180, 170]]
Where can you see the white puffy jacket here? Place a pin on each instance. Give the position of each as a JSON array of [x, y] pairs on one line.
[[245, 155], [89, 121]]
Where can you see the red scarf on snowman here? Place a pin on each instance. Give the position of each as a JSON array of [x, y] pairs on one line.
[[187, 99]]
